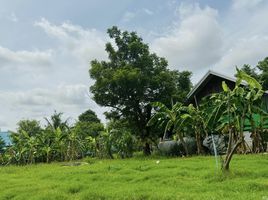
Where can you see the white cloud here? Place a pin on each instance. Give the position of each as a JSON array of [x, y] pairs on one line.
[[246, 40], [13, 17], [2, 123], [244, 51], [148, 11], [24, 58], [73, 95], [137, 14], [194, 42], [41, 102], [63, 86], [245, 4], [128, 16], [84, 44]]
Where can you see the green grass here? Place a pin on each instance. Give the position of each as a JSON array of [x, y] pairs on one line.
[[138, 178]]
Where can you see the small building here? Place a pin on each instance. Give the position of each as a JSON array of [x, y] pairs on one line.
[[212, 83]]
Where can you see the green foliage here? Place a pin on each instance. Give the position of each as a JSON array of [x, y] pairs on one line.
[[57, 142], [55, 121], [263, 67], [2, 145], [32, 127], [85, 129], [89, 116], [231, 108], [260, 72], [170, 118], [104, 145], [117, 138], [250, 71], [132, 78], [88, 129]]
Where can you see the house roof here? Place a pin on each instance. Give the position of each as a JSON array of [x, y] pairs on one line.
[[205, 79]]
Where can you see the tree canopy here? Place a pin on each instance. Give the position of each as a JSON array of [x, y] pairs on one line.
[[259, 72], [32, 127], [88, 124], [88, 116]]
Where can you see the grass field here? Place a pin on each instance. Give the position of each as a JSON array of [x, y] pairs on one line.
[[138, 178]]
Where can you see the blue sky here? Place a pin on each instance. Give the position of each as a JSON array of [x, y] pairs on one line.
[[46, 46]]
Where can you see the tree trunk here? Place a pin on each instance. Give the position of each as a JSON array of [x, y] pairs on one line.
[[110, 153], [255, 137], [198, 143], [229, 156], [244, 148], [184, 144], [47, 157], [147, 149]]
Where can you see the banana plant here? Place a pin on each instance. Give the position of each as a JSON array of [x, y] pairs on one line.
[[194, 118], [170, 119], [236, 105]]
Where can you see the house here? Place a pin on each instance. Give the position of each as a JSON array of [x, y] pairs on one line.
[[212, 83]]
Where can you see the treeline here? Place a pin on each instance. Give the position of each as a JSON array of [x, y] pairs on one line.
[[59, 141]]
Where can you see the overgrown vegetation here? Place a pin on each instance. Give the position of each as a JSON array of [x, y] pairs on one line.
[[229, 111]]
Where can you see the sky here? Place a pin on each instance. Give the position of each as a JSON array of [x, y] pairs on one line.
[[46, 46]]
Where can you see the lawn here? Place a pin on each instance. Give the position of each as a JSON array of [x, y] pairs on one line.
[[138, 178]]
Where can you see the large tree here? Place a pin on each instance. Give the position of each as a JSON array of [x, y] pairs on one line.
[[133, 77]]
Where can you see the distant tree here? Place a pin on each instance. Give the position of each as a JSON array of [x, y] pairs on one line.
[[89, 116], [56, 121], [260, 72], [250, 71], [85, 129], [32, 127], [263, 67], [88, 124], [131, 79]]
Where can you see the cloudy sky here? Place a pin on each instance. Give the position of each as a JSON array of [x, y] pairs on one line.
[[46, 46]]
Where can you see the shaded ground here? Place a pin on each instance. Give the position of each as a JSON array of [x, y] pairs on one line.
[[138, 178]]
